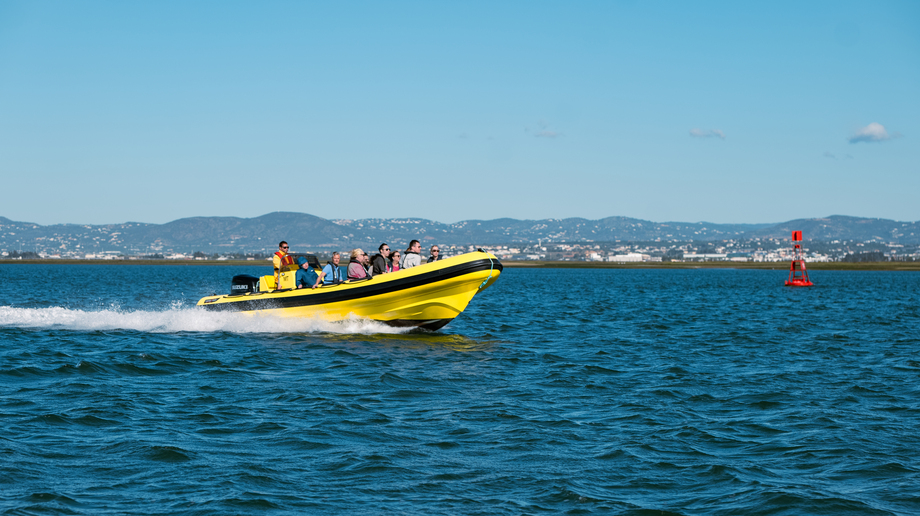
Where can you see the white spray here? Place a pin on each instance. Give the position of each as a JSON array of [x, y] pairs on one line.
[[178, 319]]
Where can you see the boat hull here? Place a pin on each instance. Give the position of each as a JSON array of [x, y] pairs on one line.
[[427, 296]]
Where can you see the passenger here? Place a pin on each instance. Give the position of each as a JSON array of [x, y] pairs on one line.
[[366, 262], [356, 267], [381, 260], [306, 276], [435, 254], [332, 274], [394, 261], [412, 258], [282, 261]]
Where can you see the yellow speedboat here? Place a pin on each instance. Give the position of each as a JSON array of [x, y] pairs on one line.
[[428, 296]]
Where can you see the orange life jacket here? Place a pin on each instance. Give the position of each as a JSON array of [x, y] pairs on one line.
[[286, 260]]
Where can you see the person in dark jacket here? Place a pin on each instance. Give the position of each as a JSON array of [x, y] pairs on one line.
[[435, 254], [381, 260]]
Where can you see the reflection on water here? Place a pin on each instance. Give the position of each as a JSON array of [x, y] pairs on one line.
[[419, 338]]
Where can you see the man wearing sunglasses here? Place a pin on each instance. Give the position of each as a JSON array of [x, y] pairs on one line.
[[381, 260], [282, 261], [412, 258]]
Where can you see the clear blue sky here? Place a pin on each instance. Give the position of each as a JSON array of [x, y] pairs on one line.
[[688, 111]]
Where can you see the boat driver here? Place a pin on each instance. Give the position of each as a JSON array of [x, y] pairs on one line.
[[282, 262]]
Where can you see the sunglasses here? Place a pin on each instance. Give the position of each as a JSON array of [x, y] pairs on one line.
[[285, 247]]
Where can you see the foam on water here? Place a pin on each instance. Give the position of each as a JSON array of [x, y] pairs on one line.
[[178, 319]]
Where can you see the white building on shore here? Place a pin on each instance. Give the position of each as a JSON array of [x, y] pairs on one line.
[[630, 257]]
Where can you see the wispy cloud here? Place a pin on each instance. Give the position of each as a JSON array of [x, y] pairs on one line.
[[543, 131], [712, 133], [873, 132], [829, 155]]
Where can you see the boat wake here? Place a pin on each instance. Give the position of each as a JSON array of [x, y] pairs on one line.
[[179, 319]]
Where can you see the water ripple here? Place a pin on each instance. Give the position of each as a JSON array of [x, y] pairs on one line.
[[578, 392]]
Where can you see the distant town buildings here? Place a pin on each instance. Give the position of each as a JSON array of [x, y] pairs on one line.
[[769, 250], [729, 250]]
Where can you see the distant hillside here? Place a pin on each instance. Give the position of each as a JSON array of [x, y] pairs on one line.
[[304, 231], [569, 230], [840, 227]]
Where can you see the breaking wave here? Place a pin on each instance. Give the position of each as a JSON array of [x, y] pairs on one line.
[[178, 319]]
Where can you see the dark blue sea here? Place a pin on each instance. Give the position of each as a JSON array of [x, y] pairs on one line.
[[564, 391]]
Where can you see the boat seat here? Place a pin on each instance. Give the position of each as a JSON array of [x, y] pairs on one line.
[[267, 283]]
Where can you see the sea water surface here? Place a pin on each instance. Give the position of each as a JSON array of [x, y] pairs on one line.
[[557, 391]]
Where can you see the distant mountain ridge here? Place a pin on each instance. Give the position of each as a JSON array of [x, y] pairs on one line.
[[304, 231]]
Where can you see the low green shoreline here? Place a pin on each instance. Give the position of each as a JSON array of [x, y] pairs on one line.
[[818, 266]]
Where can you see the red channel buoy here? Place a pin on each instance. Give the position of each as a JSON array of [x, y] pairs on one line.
[[798, 275]]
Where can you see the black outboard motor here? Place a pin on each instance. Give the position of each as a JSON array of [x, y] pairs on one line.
[[244, 284]]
